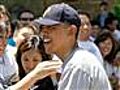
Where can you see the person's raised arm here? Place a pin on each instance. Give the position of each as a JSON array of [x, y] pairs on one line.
[[42, 70]]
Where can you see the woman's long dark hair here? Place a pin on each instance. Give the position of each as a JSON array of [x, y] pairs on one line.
[[34, 42], [104, 35]]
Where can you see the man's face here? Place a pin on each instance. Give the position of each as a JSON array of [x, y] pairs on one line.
[[26, 17], [54, 37], [85, 28], [3, 42], [103, 7]]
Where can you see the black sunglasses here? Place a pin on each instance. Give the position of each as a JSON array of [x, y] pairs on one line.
[[26, 19]]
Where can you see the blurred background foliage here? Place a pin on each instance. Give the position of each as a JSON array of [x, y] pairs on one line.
[[38, 6], [116, 9]]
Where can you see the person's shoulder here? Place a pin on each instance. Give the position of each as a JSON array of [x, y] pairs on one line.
[[86, 58], [94, 46], [116, 31], [11, 49], [86, 61], [82, 53], [9, 58]]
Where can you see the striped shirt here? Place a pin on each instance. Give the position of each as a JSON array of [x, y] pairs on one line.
[[81, 71]]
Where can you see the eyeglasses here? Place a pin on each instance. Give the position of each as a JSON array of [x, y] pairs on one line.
[[27, 19]]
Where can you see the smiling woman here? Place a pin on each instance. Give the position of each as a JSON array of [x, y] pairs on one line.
[[109, 49], [30, 53], [107, 45]]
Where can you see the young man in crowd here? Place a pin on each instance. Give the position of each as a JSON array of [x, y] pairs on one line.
[[84, 36], [103, 13], [80, 71]]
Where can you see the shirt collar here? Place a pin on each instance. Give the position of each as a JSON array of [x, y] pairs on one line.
[[70, 56]]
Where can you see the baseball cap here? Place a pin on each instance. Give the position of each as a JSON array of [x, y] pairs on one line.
[[59, 13]]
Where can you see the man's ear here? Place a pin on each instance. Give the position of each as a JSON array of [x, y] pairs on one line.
[[73, 29]]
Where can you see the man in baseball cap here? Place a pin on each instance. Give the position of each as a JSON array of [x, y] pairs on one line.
[[80, 70]]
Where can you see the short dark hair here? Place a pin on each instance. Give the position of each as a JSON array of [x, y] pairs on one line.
[[104, 3], [109, 20], [94, 22], [24, 11], [84, 13]]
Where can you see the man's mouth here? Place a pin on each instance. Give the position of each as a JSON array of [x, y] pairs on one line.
[[46, 40]]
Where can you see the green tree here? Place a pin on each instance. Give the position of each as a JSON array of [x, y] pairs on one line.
[[116, 9]]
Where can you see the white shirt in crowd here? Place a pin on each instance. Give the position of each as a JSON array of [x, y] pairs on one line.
[[116, 35], [91, 47]]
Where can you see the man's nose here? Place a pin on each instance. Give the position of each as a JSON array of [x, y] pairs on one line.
[[85, 26]]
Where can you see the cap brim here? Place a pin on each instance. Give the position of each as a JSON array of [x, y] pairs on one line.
[[47, 22]]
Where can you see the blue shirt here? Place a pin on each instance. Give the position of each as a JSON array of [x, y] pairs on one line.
[[11, 42], [8, 70]]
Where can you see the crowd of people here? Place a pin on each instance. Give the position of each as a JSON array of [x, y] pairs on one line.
[[65, 49]]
